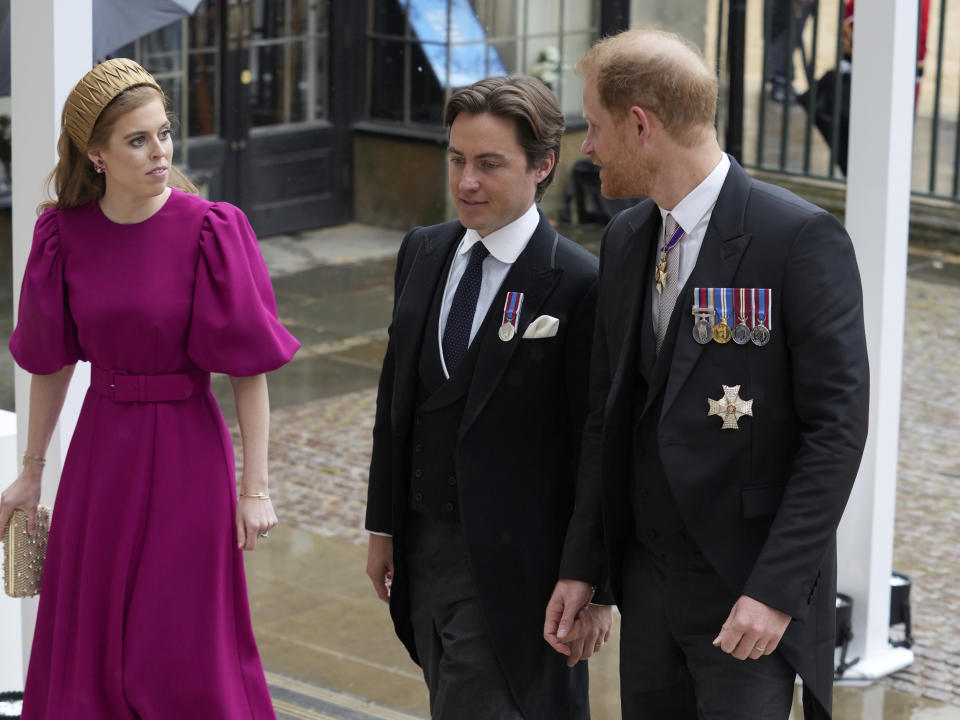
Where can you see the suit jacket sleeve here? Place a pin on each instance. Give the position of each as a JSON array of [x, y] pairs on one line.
[[584, 554], [380, 486], [822, 310]]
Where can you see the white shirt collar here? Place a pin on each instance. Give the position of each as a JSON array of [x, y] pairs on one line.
[[699, 201], [508, 242]]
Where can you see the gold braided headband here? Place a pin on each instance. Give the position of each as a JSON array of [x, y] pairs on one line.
[[95, 91]]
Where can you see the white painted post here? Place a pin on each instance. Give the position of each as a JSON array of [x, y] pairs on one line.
[[51, 48], [11, 661], [877, 217]]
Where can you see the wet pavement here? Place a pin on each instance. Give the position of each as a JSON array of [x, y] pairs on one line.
[[316, 616], [327, 642]]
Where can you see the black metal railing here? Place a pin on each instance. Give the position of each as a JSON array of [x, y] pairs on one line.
[[796, 100]]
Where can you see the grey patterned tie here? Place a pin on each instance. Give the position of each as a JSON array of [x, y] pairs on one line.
[[668, 295]]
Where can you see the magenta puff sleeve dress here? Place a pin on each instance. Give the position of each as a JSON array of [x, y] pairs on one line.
[[143, 607]]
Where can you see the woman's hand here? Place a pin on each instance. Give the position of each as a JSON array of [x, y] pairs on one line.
[[255, 518], [23, 494]]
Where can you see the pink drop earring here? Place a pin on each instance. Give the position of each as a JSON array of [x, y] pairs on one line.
[[99, 167]]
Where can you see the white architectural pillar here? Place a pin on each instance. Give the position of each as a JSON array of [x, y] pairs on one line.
[[877, 217], [51, 48]]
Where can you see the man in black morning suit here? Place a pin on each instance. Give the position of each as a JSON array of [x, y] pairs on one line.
[[480, 410], [721, 463]]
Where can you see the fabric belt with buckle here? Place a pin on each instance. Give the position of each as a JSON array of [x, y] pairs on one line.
[[122, 387]]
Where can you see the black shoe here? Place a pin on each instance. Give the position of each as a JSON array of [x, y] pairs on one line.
[[780, 92]]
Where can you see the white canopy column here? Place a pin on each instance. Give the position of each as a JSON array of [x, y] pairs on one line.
[[877, 217]]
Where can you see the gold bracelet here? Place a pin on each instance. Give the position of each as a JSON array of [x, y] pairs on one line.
[[31, 458], [257, 495]]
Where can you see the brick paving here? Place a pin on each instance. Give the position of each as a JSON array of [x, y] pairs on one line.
[[320, 453]]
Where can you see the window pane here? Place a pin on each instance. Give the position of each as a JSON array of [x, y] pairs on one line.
[[543, 60], [203, 26], [266, 86], [160, 51], [500, 18], [268, 19], [322, 80], [502, 58], [390, 18], [203, 93], [575, 45], [427, 93], [295, 86], [386, 86], [543, 16]]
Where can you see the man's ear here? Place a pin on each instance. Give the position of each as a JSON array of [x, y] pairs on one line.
[[544, 166], [640, 120]]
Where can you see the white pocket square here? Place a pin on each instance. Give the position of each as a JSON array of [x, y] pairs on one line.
[[544, 326]]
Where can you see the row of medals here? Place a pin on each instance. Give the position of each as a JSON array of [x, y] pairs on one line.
[[705, 329]]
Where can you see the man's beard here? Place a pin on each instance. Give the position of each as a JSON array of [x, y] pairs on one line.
[[629, 178]]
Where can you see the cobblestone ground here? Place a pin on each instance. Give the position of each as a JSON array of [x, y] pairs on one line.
[[927, 539], [320, 453]]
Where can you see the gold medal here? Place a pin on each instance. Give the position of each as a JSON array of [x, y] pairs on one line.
[[722, 332], [661, 274]]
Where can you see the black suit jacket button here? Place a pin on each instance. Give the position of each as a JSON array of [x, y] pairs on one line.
[[451, 481], [644, 493], [418, 448], [418, 497], [652, 534], [449, 507], [418, 473], [419, 420], [683, 537]]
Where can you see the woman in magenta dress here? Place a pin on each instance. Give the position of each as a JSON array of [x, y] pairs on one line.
[[143, 607]]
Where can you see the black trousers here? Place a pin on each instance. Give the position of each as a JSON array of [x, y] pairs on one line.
[[458, 661], [674, 606]]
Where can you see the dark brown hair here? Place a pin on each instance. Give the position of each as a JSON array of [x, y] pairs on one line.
[[658, 71], [73, 180], [526, 101]]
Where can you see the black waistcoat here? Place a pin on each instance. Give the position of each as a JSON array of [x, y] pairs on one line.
[[439, 404], [659, 525]]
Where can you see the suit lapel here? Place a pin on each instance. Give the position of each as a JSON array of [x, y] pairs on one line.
[[413, 308], [723, 247], [533, 273], [638, 327]]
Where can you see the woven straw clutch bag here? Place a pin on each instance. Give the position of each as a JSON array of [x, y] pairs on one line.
[[23, 555]]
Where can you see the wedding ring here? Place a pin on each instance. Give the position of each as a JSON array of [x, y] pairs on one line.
[[761, 649], [264, 535]]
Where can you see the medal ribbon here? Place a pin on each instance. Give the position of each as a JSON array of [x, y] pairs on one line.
[[710, 301], [769, 309], [740, 309], [753, 308], [511, 308], [668, 246], [762, 314], [728, 303], [720, 304]]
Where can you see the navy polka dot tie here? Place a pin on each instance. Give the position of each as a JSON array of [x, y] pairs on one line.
[[456, 335]]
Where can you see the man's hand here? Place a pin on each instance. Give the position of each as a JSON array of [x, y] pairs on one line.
[[380, 564], [564, 628], [752, 629], [596, 621]]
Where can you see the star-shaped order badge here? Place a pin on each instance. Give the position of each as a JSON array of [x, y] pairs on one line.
[[731, 407]]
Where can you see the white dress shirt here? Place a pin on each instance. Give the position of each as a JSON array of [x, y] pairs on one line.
[[693, 215], [505, 246]]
